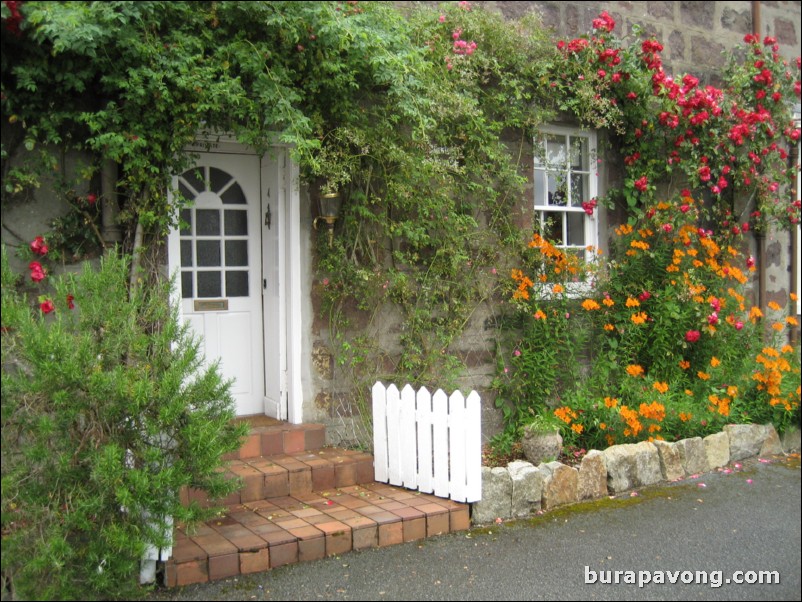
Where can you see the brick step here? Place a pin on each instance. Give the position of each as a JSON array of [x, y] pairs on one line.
[[296, 474], [279, 438], [262, 534]]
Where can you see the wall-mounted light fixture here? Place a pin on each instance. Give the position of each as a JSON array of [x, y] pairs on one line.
[[329, 207]]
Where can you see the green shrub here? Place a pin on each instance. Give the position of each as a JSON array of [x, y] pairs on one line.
[[107, 411]]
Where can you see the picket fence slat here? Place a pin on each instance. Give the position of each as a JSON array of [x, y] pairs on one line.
[[429, 442], [423, 404], [380, 461], [409, 465]]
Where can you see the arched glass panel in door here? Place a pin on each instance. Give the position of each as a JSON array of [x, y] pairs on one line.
[[214, 235]]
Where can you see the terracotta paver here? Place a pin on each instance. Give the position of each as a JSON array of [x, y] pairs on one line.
[[302, 505]]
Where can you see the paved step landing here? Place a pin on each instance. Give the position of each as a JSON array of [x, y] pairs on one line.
[[264, 534], [301, 501]]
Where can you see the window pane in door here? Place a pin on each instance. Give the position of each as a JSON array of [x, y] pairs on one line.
[[217, 179], [209, 284], [233, 195], [208, 222], [236, 222], [186, 253], [186, 285], [236, 283], [236, 253], [208, 253]]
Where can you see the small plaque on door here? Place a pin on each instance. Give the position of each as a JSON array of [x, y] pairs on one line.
[[211, 305]]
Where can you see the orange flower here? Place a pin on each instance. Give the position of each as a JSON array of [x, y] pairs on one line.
[[634, 370], [639, 318], [590, 305], [631, 302], [653, 411], [609, 327], [660, 387], [755, 313], [558, 288], [778, 326], [703, 375], [577, 428], [610, 402], [792, 321], [565, 414], [608, 302], [685, 416], [684, 364], [774, 305], [539, 315], [602, 426], [714, 361]]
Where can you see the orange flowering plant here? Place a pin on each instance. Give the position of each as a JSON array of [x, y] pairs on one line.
[[551, 329], [677, 343], [673, 347]]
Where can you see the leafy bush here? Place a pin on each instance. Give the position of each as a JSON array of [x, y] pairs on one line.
[[106, 413], [676, 349]]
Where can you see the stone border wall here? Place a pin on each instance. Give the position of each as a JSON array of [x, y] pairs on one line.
[[521, 489]]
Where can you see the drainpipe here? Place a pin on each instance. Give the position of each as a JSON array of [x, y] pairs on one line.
[[111, 232], [761, 236]]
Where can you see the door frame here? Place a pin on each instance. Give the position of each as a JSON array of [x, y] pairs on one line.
[[286, 216]]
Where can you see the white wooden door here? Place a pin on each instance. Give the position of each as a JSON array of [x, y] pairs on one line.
[[219, 254]]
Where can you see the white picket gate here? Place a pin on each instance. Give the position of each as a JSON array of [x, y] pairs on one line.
[[432, 443]]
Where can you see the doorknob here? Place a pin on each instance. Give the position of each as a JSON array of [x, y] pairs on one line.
[[268, 217]]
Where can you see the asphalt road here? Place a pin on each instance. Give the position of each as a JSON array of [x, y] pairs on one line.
[[728, 525]]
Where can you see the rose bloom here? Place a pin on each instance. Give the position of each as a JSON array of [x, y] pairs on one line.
[[39, 246], [47, 306], [692, 336]]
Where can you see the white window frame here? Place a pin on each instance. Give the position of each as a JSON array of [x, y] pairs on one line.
[[572, 206]]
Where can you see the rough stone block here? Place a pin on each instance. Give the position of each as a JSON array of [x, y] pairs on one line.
[[592, 478], [496, 496], [670, 462], [745, 440], [527, 489], [771, 445], [693, 455], [632, 465], [717, 447], [559, 485], [791, 440]]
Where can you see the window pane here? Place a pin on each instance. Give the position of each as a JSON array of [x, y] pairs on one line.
[[579, 154], [217, 179], [194, 178], [236, 252], [540, 189], [576, 229], [186, 253], [186, 285], [208, 252], [209, 284], [555, 150], [186, 219], [208, 222], [236, 284], [236, 222], [557, 190], [233, 195], [579, 188], [552, 226], [185, 192]]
